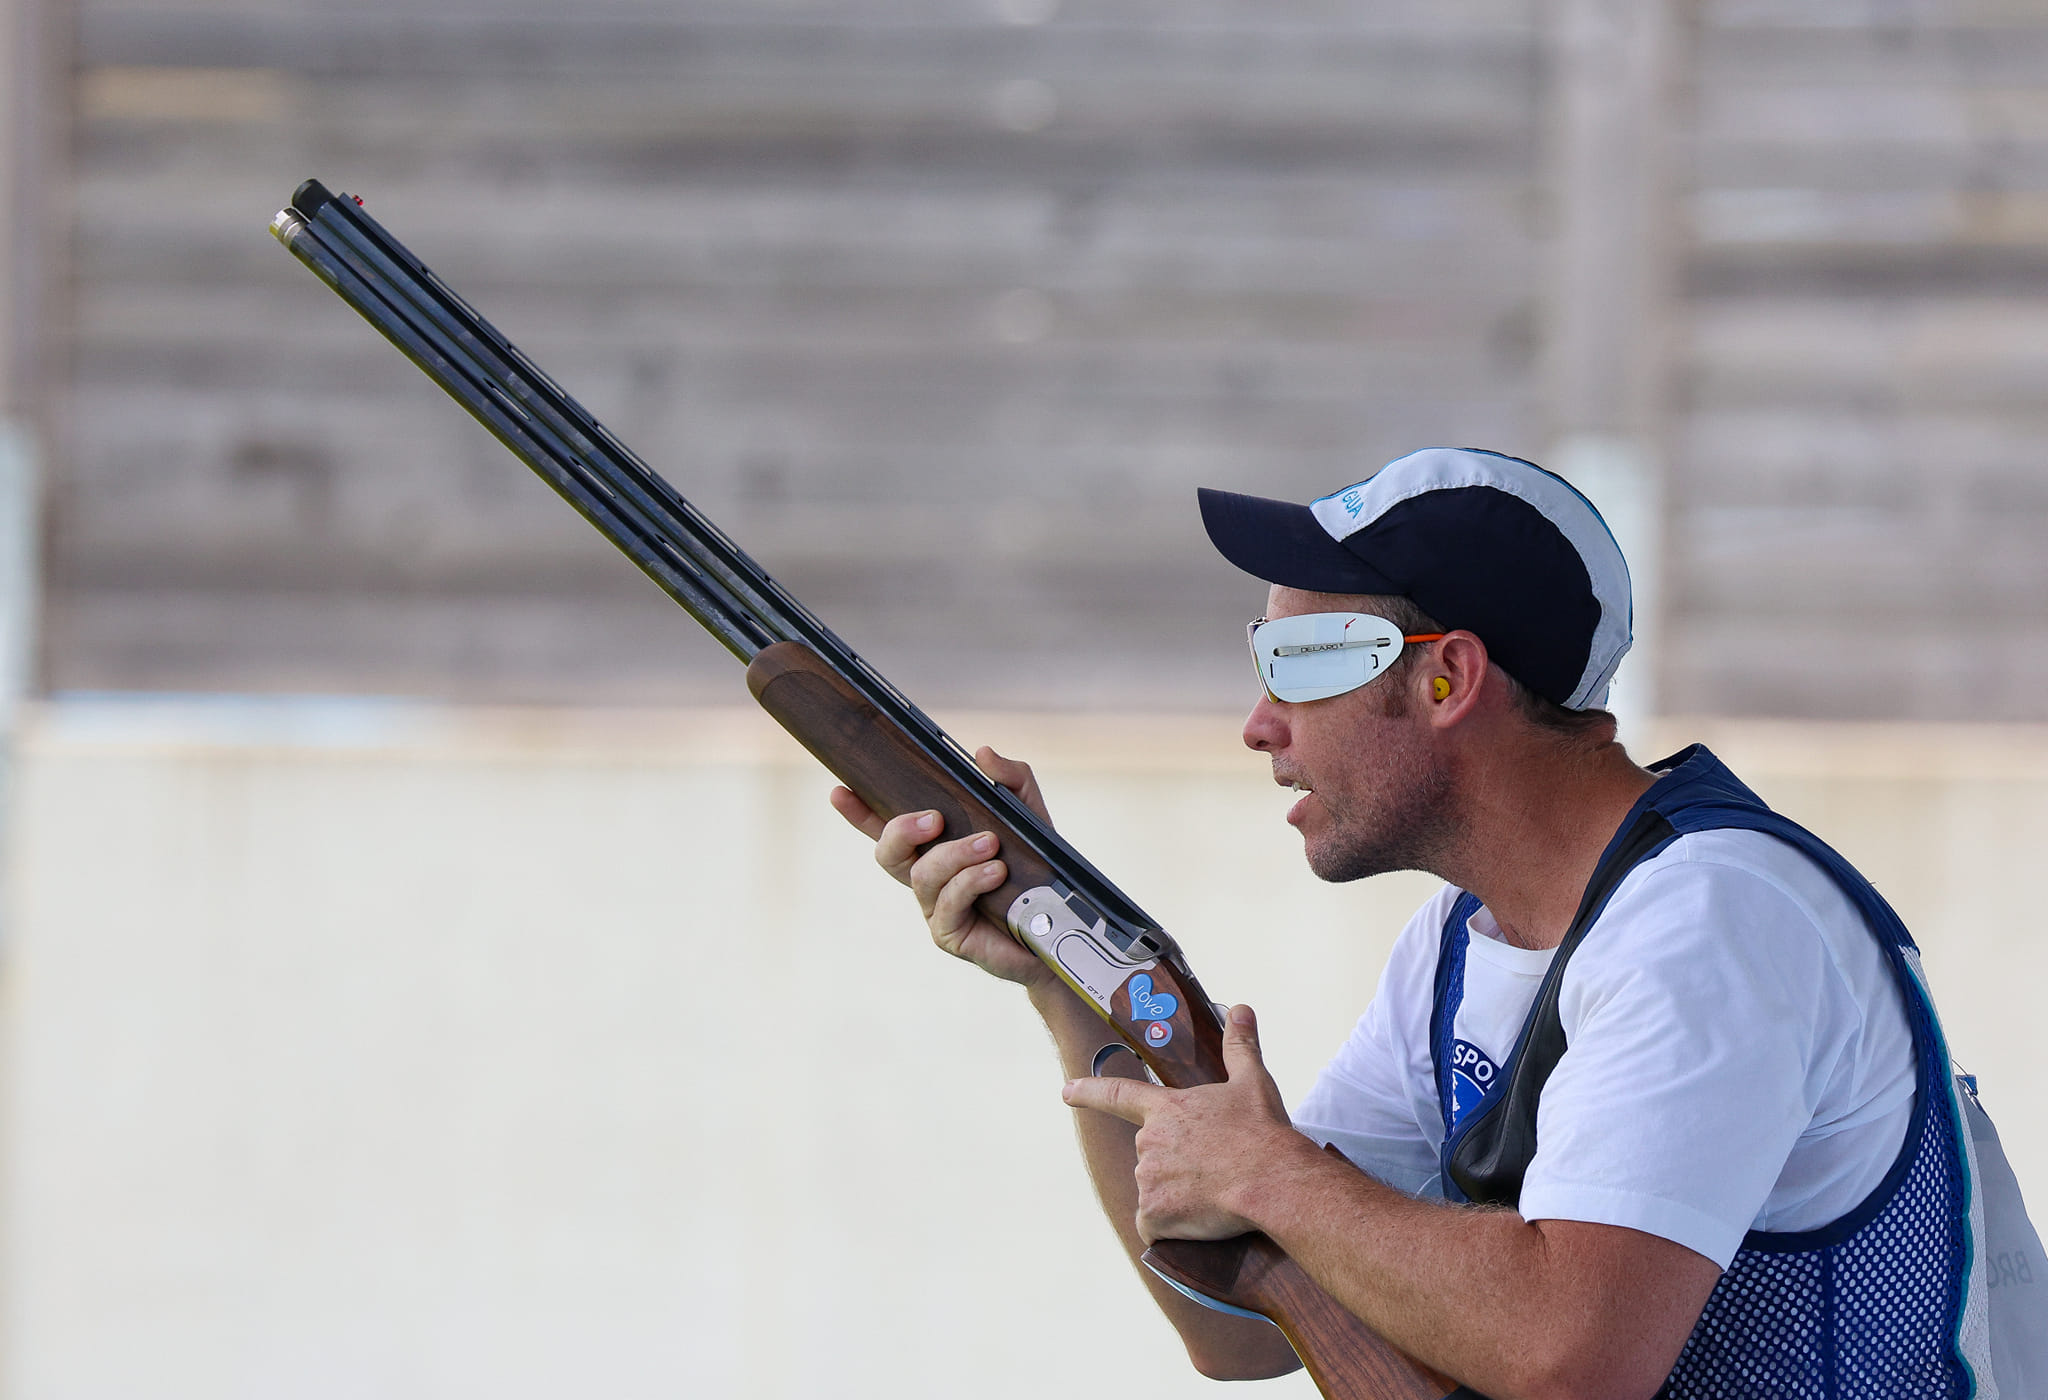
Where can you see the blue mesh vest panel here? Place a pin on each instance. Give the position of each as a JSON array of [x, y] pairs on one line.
[[1868, 1307]]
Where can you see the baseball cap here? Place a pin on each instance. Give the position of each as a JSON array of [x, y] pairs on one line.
[[1478, 540]]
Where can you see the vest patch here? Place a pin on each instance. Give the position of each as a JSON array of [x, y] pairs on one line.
[[1472, 1074]]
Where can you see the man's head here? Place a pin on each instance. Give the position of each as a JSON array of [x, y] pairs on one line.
[[1517, 603], [1477, 541]]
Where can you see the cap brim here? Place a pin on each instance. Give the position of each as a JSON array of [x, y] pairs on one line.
[[1282, 543]]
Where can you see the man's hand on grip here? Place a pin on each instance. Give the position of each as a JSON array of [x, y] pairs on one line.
[[1201, 1148], [951, 874]]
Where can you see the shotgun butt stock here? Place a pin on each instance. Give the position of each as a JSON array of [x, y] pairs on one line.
[[885, 767], [1346, 1359]]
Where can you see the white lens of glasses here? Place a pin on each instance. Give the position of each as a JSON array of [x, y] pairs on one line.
[[1317, 655]]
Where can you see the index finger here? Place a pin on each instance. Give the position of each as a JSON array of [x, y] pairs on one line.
[[1129, 1099]]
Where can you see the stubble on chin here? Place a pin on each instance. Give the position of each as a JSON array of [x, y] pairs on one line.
[[1407, 832], [1406, 822]]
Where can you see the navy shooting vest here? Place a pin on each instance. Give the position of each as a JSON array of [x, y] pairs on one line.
[[1877, 1305]]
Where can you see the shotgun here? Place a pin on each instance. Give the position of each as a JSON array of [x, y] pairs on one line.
[[868, 734]]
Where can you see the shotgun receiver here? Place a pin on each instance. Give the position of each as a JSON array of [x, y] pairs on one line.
[[862, 728]]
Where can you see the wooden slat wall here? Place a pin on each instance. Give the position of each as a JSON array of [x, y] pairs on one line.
[[945, 306], [1860, 484], [943, 314]]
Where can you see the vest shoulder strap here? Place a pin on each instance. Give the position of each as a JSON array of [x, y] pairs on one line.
[[1487, 1156]]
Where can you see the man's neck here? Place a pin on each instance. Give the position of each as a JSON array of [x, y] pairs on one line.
[[1533, 832]]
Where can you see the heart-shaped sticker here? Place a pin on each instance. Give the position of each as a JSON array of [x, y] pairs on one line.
[[1148, 1005]]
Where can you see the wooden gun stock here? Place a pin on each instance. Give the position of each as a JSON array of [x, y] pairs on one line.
[[1344, 1357], [888, 771]]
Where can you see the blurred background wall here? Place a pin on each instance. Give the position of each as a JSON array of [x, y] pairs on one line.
[[416, 982], [952, 302]]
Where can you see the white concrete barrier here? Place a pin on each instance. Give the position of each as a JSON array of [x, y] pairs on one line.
[[365, 1049]]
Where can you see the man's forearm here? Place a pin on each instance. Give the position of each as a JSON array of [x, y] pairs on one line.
[[1511, 1308], [1218, 1344]]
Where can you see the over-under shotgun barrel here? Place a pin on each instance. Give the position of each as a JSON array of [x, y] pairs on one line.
[[863, 729]]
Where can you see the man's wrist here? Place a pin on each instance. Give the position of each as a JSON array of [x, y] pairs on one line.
[[1053, 998], [1293, 1170]]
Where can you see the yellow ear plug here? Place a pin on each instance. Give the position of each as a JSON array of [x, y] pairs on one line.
[[1442, 688]]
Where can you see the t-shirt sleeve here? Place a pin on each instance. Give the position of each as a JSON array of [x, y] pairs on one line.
[[1372, 1102], [1698, 1016]]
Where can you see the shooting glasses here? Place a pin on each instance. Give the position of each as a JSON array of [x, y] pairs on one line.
[[1313, 656]]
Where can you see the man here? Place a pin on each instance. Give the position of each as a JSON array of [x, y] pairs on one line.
[[1748, 1174]]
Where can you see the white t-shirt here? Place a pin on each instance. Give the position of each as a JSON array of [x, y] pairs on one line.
[[1738, 1054]]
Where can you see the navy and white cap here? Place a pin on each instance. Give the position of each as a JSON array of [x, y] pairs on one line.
[[1480, 541]]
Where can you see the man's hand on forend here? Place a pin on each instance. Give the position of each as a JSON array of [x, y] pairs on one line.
[[949, 876]]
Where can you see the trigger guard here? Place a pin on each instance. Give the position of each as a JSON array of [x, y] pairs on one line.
[[1102, 1058]]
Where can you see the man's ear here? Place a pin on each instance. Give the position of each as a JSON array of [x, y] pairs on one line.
[[1457, 671]]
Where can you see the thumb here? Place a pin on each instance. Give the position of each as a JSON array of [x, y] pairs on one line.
[[1241, 1054], [1014, 775]]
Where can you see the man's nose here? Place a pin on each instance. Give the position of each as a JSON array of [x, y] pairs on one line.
[[1265, 728]]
